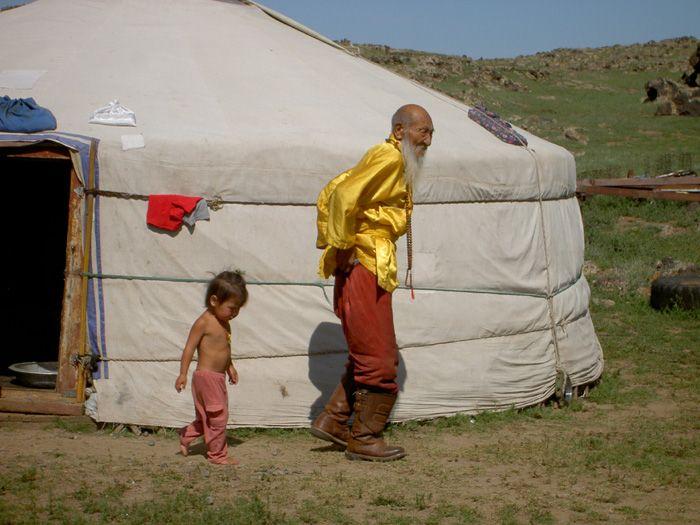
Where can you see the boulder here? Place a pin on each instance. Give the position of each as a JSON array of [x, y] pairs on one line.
[[673, 98], [576, 135], [690, 77]]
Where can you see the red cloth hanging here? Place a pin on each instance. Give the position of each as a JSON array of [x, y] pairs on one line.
[[166, 211]]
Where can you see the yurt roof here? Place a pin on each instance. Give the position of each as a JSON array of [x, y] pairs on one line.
[[235, 103]]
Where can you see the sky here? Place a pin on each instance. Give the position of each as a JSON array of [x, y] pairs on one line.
[[495, 28], [492, 28]]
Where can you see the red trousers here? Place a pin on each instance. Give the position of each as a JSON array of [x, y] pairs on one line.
[[365, 312], [211, 408]]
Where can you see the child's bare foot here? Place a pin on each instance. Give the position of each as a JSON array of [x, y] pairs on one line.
[[184, 450]]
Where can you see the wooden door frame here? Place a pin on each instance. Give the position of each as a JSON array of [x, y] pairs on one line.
[[72, 319]]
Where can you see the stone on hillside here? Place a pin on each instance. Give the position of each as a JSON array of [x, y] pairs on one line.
[[673, 98], [536, 74], [393, 58], [576, 135], [430, 68], [670, 266], [590, 268], [690, 77], [492, 78]]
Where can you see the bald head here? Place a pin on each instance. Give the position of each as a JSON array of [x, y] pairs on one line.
[[413, 123], [407, 114]]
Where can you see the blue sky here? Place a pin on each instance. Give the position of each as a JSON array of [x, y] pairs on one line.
[[495, 28], [492, 28]]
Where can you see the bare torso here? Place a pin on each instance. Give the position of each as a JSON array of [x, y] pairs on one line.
[[214, 349]]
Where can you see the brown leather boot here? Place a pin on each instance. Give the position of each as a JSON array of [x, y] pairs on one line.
[[332, 424], [372, 410]]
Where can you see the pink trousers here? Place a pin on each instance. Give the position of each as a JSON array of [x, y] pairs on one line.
[[211, 408]]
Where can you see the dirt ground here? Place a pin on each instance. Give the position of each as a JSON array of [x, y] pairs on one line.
[[543, 466]]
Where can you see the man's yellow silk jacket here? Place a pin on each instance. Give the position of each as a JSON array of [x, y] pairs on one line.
[[365, 209]]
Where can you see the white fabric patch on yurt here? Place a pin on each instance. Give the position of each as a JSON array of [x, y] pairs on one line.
[[240, 108]]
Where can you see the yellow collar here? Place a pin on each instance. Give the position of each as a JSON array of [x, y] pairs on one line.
[[394, 142]]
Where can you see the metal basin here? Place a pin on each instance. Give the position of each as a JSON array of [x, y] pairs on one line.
[[36, 374]]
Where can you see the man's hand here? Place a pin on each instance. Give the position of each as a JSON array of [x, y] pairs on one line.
[[232, 375], [181, 382]]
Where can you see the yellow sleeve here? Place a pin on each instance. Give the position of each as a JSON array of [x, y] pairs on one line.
[[373, 180], [322, 209]]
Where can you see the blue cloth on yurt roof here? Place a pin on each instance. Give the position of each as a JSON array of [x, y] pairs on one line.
[[24, 115], [496, 125]]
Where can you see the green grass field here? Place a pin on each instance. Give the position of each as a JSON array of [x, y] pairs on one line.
[[623, 134]]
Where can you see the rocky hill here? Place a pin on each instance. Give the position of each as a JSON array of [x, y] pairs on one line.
[[589, 100], [503, 73]]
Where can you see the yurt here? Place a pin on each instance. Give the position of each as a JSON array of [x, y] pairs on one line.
[[254, 113]]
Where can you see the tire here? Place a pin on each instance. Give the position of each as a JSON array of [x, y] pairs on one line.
[[682, 291]]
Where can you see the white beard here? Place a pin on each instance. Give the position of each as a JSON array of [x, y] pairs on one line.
[[413, 165]]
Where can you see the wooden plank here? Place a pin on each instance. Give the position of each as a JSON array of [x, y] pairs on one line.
[[16, 391], [638, 194], [641, 183], [83, 344], [24, 400], [43, 150], [30, 406], [673, 187], [17, 417], [660, 187], [71, 318]]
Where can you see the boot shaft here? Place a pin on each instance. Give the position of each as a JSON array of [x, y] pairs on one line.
[[332, 423], [372, 410]]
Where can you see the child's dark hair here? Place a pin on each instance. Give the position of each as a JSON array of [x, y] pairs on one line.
[[225, 285]]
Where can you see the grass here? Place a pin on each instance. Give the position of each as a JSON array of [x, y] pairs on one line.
[[485, 422], [454, 513], [631, 253], [250, 433], [507, 515], [658, 449], [107, 506], [74, 425], [613, 389], [322, 512]]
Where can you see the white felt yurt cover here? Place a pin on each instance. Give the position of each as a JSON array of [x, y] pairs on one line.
[[236, 105]]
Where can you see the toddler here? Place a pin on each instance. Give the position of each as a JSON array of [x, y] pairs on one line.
[[210, 335]]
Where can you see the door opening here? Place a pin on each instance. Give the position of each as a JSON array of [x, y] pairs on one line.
[[37, 192]]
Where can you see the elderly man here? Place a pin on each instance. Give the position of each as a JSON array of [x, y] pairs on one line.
[[361, 214]]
